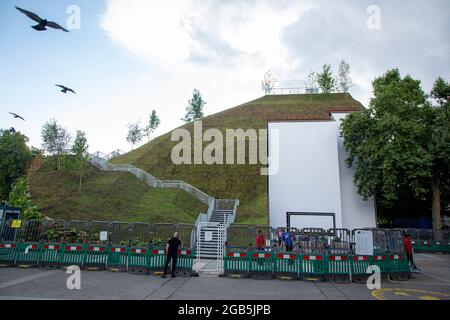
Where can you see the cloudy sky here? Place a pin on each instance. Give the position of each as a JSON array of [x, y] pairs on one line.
[[131, 56]]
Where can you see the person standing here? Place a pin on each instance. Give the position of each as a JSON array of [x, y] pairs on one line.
[[260, 241], [409, 253], [172, 247], [280, 236], [287, 240]]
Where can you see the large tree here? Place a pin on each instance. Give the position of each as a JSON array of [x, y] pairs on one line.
[[56, 140], [80, 149], [153, 123], [400, 142], [14, 159], [194, 109]]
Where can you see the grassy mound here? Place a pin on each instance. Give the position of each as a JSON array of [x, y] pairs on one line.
[[117, 196], [237, 181]]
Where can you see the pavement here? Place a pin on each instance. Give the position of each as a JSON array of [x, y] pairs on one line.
[[16, 283]]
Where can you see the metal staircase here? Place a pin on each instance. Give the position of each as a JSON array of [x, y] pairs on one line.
[[209, 234]]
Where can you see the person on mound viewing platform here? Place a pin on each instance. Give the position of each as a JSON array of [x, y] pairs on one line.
[[173, 245]]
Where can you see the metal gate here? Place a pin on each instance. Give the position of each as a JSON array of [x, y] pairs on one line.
[[210, 247]]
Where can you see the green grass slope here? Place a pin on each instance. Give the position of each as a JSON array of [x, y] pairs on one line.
[[237, 181], [117, 196]]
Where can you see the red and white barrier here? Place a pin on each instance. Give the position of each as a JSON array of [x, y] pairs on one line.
[[312, 258], [237, 254], [361, 258], [286, 256], [73, 248], [338, 258], [51, 247], [8, 245]]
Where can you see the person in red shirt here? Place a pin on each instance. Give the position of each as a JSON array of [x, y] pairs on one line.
[[260, 242], [409, 252]]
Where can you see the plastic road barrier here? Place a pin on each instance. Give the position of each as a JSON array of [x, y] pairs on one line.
[[382, 263], [398, 267], [7, 254], [157, 261], [447, 247], [415, 245], [438, 246], [311, 267], [50, 257], [27, 255], [359, 268], [117, 258], [424, 246], [72, 255], [261, 265], [337, 268], [139, 260], [236, 264], [185, 262], [286, 266], [95, 258]]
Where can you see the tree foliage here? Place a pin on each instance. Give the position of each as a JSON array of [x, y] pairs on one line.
[[134, 134], [80, 150], [326, 80], [400, 142], [14, 159], [344, 80], [56, 140], [194, 109], [153, 123], [20, 197]]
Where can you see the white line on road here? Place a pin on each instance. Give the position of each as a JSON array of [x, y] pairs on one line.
[[26, 279]]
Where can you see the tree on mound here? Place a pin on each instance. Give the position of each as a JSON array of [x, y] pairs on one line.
[[80, 148], [153, 123], [134, 134], [56, 140], [194, 109]]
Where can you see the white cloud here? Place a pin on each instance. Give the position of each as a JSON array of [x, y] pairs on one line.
[[223, 48]]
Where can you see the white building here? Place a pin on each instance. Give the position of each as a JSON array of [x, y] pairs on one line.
[[313, 186]]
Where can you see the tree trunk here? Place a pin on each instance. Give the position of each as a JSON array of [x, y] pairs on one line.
[[81, 178], [436, 209]]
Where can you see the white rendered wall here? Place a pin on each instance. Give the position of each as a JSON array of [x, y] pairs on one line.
[[308, 175], [356, 213]]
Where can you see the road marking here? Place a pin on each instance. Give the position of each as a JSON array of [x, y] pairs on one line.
[[410, 294], [26, 279]]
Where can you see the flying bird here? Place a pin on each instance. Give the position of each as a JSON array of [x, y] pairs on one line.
[[42, 23], [16, 116], [64, 89]]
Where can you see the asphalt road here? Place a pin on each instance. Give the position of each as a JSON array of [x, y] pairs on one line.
[[16, 283]]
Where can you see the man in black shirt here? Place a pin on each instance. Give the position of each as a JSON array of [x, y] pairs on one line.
[[172, 253]]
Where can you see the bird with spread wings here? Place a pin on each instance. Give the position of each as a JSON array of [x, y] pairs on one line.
[[42, 23], [16, 116]]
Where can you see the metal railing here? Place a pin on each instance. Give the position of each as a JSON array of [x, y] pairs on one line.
[[89, 232], [100, 160]]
